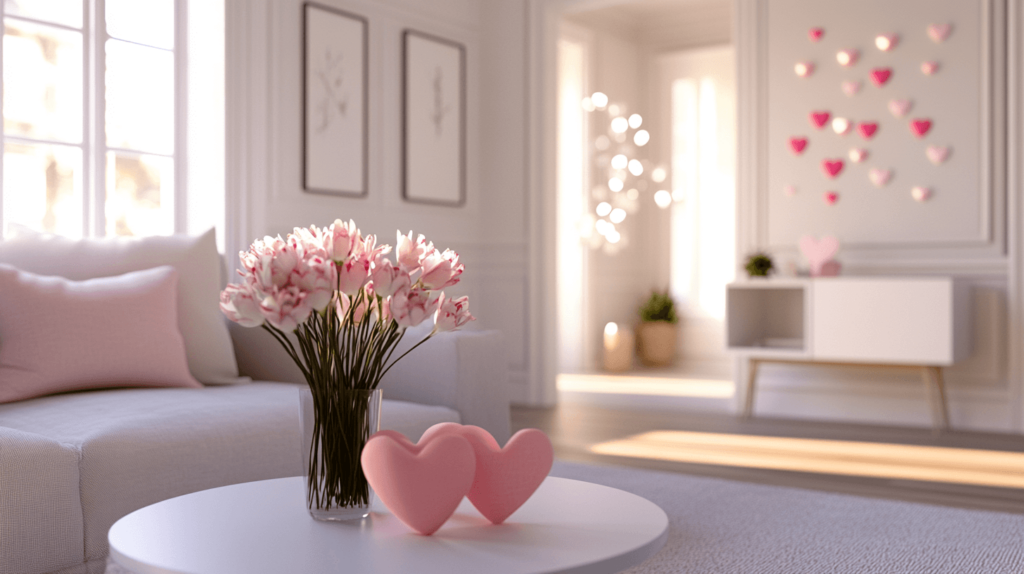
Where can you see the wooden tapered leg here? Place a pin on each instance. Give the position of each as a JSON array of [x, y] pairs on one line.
[[937, 396], [748, 400]]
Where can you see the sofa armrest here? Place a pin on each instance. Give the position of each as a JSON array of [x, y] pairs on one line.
[[41, 522], [465, 370]]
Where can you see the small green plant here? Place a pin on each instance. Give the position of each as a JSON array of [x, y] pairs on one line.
[[660, 307], [759, 265]]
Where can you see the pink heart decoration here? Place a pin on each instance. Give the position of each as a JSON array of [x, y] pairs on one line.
[[929, 68], [867, 129], [886, 42], [831, 197], [920, 127], [899, 108], [841, 126], [879, 177], [858, 155], [815, 34], [831, 167], [847, 58], [939, 32], [804, 69], [421, 484], [851, 88], [937, 154], [818, 119], [818, 252], [507, 477], [789, 190], [920, 193], [797, 145], [879, 76]]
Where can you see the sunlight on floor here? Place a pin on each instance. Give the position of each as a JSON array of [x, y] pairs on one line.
[[907, 462], [646, 385]]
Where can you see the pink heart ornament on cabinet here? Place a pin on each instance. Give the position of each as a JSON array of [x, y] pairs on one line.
[[879, 177], [921, 193], [798, 145], [819, 118], [899, 108], [847, 58], [814, 34], [920, 127], [831, 197], [818, 252], [841, 126], [505, 478], [929, 68], [867, 129], [804, 69], [879, 76], [858, 155], [831, 167], [421, 484], [886, 42], [851, 88], [937, 154], [939, 32]]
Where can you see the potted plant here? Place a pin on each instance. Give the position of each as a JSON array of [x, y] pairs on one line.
[[759, 265], [656, 335]]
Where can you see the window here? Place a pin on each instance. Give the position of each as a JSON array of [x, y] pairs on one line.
[[91, 140]]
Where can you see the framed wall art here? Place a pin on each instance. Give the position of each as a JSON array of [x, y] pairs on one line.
[[433, 119], [334, 101]]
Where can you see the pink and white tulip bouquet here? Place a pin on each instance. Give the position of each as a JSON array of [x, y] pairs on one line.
[[347, 305]]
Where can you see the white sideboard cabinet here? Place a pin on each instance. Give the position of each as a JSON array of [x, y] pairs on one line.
[[920, 323]]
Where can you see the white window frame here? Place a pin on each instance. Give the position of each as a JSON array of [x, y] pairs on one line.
[[94, 142]]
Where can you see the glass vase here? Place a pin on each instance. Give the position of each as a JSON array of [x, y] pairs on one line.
[[335, 426]]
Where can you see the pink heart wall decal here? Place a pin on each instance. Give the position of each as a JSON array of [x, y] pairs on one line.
[[831, 167], [939, 32], [789, 190], [847, 58], [421, 484], [920, 127], [867, 129], [879, 177], [851, 88], [815, 34], [798, 145], [879, 76], [505, 477], [899, 108], [858, 155], [886, 42], [818, 251], [920, 193], [841, 126], [804, 69], [831, 197], [937, 154], [819, 118], [929, 68]]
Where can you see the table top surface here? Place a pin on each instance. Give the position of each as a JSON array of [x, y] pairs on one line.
[[566, 526]]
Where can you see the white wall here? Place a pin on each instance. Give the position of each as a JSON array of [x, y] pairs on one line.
[[265, 196]]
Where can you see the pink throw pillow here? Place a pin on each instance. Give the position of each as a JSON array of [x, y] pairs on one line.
[[58, 335]]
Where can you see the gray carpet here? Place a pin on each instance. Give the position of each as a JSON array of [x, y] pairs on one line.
[[721, 526]]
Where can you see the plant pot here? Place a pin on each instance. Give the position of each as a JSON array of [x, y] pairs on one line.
[[335, 427], [656, 343]]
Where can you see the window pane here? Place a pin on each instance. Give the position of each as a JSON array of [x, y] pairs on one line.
[[42, 82], [66, 12], [140, 98], [43, 188], [140, 194], [149, 22]]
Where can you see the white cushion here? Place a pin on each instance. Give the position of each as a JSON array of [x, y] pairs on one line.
[[211, 358]]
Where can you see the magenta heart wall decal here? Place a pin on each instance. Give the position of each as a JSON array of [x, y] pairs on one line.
[[867, 130], [939, 32], [899, 108], [831, 197], [804, 69], [929, 68], [815, 34], [851, 88], [832, 167], [937, 154], [819, 118], [920, 127], [920, 193], [858, 155], [886, 42], [798, 145], [879, 76]]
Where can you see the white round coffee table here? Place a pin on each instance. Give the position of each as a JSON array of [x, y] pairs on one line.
[[567, 526]]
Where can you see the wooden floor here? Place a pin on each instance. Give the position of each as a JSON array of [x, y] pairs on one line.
[[575, 428]]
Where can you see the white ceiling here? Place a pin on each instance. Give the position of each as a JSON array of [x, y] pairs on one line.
[[662, 25]]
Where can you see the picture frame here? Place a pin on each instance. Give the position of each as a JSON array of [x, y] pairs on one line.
[[433, 119], [335, 97]]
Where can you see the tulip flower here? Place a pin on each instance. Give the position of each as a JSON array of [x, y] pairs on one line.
[[441, 270], [452, 314], [239, 304]]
